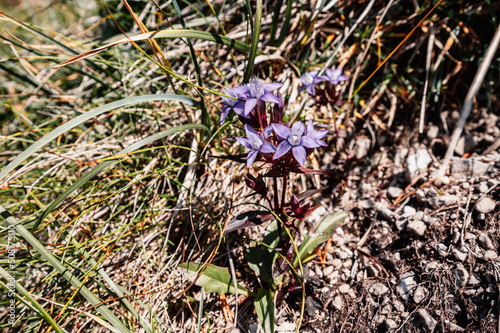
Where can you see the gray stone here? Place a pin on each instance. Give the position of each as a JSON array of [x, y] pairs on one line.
[[425, 320], [460, 256], [483, 187], [344, 289], [443, 201], [394, 192], [454, 327], [419, 294], [407, 283], [378, 289], [416, 227], [327, 270], [490, 255], [386, 214], [389, 324], [408, 211], [465, 144], [432, 132], [362, 147], [338, 303], [366, 204], [463, 168], [485, 242], [485, 205], [465, 185], [417, 163], [441, 249], [461, 276]]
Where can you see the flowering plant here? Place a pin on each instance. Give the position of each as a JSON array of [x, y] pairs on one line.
[[277, 148]]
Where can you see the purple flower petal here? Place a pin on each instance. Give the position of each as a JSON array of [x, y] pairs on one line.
[[282, 149], [309, 142], [245, 142], [310, 90], [310, 127], [252, 155], [320, 134], [251, 133], [225, 111], [271, 98], [321, 143], [267, 148], [281, 131], [241, 91], [267, 131], [239, 108], [249, 105], [298, 128], [299, 153], [272, 86]]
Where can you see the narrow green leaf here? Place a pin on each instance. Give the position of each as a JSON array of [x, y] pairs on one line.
[[264, 306], [64, 271], [87, 176], [324, 230], [83, 118], [214, 279], [261, 262], [255, 41]]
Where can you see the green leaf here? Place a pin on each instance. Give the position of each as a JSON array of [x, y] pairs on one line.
[[261, 262], [214, 279], [264, 305], [324, 230], [83, 118], [255, 41]]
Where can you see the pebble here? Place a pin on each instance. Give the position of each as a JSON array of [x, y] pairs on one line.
[[406, 284], [338, 303], [420, 195], [363, 146], [483, 187], [419, 294], [416, 227], [426, 321], [490, 255], [465, 185], [378, 289], [445, 180], [386, 214], [454, 327], [442, 250], [485, 205], [463, 168], [409, 211], [432, 132], [485, 242], [344, 289], [394, 192], [389, 324], [460, 256], [416, 163], [465, 144], [328, 270], [443, 200], [461, 276], [366, 204]]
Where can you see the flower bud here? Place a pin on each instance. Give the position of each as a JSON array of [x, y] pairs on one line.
[[256, 184]]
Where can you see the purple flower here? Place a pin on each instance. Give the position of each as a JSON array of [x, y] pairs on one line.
[[256, 143], [293, 139], [257, 91], [335, 76], [316, 135], [308, 80], [233, 104]]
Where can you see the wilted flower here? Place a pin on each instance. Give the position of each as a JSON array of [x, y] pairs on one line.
[[334, 76], [256, 143], [256, 184], [308, 80], [257, 90], [236, 105], [293, 139], [316, 135], [299, 211]]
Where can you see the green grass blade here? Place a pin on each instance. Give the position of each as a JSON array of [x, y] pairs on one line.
[[172, 34], [275, 22], [115, 159], [286, 24], [255, 41], [29, 301], [64, 271], [81, 119]]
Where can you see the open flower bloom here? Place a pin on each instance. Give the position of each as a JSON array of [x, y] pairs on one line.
[[334, 76], [236, 105], [293, 139], [308, 80], [316, 135], [258, 91], [256, 143]]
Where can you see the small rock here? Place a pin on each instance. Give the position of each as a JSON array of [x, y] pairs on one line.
[[417, 163], [406, 284], [454, 327], [389, 324], [465, 144], [419, 294], [432, 132], [366, 204], [490, 255], [386, 214], [426, 321], [483, 187], [485, 242], [485, 205], [344, 289], [409, 211], [378, 289], [286, 327], [445, 180], [442, 249], [394, 192], [443, 200], [338, 303], [327, 270], [362, 147], [418, 216], [460, 256], [398, 306], [465, 185], [416, 227], [461, 276], [336, 263], [420, 195], [463, 168]]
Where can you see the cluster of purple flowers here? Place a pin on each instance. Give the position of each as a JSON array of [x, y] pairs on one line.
[[271, 141], [311, 79]]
